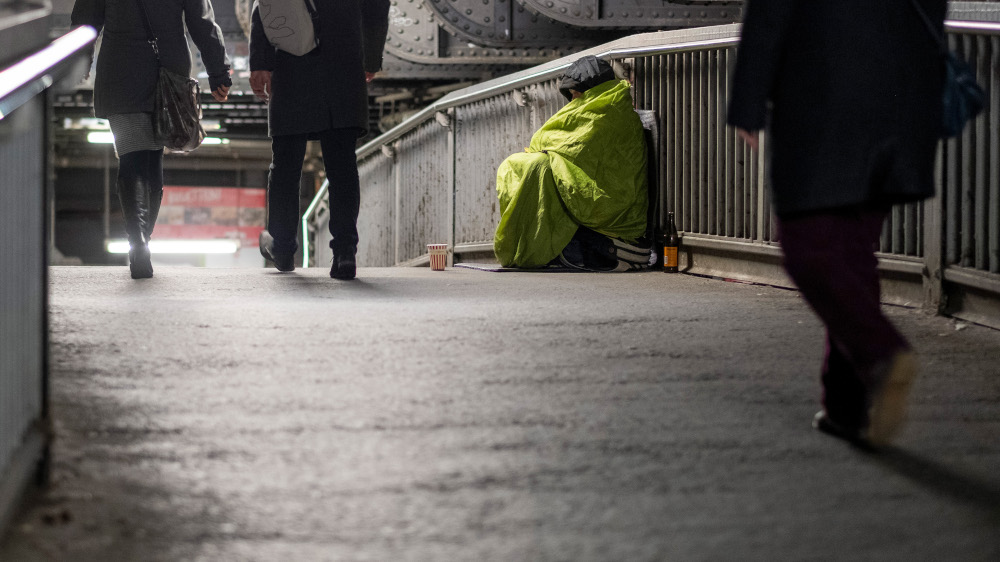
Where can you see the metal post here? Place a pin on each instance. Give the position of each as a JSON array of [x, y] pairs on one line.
[[452, 188], [933, 234]]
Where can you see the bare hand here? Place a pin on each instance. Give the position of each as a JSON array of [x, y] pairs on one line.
[[369, 76], [752, 138], [221, 93], [260, 83]]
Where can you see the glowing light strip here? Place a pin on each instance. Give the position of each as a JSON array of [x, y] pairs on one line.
[[37, 65], [180, 246], [100, 137]]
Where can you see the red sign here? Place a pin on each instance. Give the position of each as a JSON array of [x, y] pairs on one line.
[[206, 213]]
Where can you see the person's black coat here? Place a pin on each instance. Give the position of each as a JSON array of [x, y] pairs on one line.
[[324, 89], [127, 69], [855, 88]]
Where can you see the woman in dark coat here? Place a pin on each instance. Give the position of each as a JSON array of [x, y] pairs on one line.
[[127, 71], [323, 96], [854, 88]]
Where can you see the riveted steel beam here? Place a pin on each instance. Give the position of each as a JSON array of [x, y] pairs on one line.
[[395, 68], [415, 35], [505, 23], [638, 14]]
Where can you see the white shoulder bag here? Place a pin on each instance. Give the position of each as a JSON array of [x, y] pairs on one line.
[[290, 24]]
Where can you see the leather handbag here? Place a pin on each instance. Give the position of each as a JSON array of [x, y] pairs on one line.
[[176, 105], [963, 98], [290, 25]]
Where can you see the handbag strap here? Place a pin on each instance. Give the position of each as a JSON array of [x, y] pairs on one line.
[[938, 38], [314, 16], [151, 37]]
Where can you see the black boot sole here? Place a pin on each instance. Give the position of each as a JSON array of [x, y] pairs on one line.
[[139, 263]]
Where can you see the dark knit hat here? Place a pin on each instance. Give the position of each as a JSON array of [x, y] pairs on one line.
[[584, 74]]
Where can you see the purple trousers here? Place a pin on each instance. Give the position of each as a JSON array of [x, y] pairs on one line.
[[831, 257]]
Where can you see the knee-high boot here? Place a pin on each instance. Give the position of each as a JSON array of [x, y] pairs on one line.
[[155, 166], [133, 193]]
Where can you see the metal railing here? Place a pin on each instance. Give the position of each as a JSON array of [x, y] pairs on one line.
[[24, 185], [432, 178]]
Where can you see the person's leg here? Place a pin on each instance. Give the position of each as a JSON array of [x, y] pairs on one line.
[[345, 188], [283, 192], [133, 193], [831, 257], [345, 198], [155, 166]]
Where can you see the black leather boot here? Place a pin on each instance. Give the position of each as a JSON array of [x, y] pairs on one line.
[[155, 167], [133, 193]]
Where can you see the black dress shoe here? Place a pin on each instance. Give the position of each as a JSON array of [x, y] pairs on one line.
[[344, 267], [281, 262], [852, 434]]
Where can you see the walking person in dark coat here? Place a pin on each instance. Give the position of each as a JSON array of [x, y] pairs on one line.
[[323, 96], [854, 88], [127, 72]]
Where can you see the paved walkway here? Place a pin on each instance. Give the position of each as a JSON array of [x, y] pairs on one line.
[[417, 415]]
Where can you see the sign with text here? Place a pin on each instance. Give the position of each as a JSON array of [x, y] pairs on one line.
[[208, 213]]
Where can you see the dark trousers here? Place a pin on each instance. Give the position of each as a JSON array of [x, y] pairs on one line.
[[283, 215], [831, 257]]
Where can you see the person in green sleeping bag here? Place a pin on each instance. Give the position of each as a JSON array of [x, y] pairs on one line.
[[577, 195]]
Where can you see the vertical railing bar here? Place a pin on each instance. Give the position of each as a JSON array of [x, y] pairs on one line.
[[741, 185], [761, 163], [967, 187], [933, 234], [711, 92], [702, 132], [684, 143], [712, 143], [912, 226], [705, 138], [896, 235], [697, 141], [993, 236], [669, 134], [397, 216], [730, 154], [720, 136], [452, 184], [979, 125], [660, 102], [952, 208]]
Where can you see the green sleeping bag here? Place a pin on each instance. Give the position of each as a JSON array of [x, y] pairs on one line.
[[585, 166]]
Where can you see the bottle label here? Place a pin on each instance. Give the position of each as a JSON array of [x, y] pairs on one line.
[[670, 256]]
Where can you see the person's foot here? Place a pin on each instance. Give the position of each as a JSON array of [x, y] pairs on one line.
[[890, 398], [139, 263], [344, 266], [852, 434], [281, 262]]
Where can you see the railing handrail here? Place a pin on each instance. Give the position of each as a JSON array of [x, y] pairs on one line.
[[652, 44], [546, 71], [36, 72]]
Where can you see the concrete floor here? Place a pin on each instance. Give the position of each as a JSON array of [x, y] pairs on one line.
[[418, 415]]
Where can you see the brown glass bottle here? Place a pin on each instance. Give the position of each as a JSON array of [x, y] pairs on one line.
[[671, 242]]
